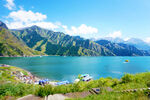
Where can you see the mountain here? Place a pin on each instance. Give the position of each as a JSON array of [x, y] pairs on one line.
[[3, 25], [120, 49], [58, 43], [114, 40], [35, 40], [138, 43], [12, 46]]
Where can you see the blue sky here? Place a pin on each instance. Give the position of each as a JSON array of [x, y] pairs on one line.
[[87, 18]]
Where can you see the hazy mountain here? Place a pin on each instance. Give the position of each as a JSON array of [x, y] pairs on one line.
[[114, 40], [140, 44], [121, 49], [10, 45]]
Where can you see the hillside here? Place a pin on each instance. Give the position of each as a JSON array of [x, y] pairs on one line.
[[58, 43], [12, 46]]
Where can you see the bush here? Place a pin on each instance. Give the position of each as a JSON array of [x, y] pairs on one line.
[[127, 78], [148, 83], [16, 89], [44, 91]]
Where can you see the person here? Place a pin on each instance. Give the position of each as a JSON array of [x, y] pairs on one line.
[[43, 82], [40, 82]]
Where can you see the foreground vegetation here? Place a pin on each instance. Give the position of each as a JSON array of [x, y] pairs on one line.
[[16, 89], [140, 95], [128, 81], [11, 86]]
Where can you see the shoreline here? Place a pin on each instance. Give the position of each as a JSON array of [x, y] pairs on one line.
[[24, 76], [67, 56], [25, 56], [27, 77]]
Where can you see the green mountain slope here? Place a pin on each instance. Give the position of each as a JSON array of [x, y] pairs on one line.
[[11, 46], [58, 43]]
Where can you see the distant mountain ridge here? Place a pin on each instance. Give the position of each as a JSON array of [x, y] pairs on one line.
[[138, 43], [121, 49], [57, 43]]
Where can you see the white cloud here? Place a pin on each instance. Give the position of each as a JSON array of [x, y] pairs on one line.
[[18, 25], [46, 25], [126, 39], [22, 18], [26, 16], [15, 24], [115, 34], [81, 30], [10, 4], [147, 40], [64, 27]]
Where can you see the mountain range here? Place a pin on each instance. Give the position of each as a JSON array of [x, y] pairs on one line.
[[35, 40], [138, 43]]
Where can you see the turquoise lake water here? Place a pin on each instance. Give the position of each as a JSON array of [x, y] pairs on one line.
[[68, 68]]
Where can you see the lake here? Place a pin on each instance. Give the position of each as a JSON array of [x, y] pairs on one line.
[[68, 68]]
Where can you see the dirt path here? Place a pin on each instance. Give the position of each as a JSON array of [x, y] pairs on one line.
[[133, 90], [56, 97], [78, 94], [30, 97]]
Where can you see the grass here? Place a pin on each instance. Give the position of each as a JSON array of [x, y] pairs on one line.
[[128, 81], [116, 96], [16, 90]]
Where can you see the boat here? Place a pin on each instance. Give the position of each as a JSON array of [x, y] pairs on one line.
[[62, 83], [126, 60], [85, 77], [88, 78]]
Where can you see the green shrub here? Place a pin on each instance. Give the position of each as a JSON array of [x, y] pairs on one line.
[[44, 91], [16, 89], [127, 78], [148, 83]]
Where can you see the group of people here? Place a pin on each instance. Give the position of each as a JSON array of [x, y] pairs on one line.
[[43, 82], [29, 79]]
